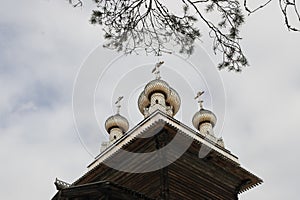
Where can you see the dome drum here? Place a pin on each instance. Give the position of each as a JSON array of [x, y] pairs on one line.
[[157, 98], [205, 128], [115, 134]]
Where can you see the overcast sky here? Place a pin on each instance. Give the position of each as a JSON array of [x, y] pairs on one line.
[[44, 43]]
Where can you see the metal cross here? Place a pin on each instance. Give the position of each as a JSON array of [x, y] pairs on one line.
[[200, 101], [156, 70], [118, 103]]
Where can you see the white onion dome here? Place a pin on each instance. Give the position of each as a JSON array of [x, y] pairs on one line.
[[143, 102], [159, 86], [174, 100], [117, 121], [203, 116]]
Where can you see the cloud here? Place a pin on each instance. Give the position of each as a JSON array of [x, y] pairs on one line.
[[42, 45]]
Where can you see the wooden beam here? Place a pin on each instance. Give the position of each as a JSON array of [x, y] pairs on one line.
[[160, 141]]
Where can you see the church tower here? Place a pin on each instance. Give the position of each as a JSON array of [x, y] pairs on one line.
[[159, 158]]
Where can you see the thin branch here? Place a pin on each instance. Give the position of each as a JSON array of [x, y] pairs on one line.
[[250, 11], [149, 24], [284, 5], [78, 4]]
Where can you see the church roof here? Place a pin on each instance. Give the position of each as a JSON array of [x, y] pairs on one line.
[[155, 118], [208, 175]]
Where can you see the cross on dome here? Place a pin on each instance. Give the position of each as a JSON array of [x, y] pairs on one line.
[[118, 104], [156, 70], [200, 101], [158, 95]]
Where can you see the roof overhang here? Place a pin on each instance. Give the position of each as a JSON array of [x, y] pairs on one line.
[[223, 163], [159, 118]]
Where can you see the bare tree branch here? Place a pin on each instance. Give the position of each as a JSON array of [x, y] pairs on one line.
[[250, 11], [78, 3], [287, 7], [226, 43], [150, 25]]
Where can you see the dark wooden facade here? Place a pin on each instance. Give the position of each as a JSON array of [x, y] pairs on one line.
[[101, 190], [216, 176]]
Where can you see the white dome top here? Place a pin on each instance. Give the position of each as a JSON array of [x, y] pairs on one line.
[[204, 116], [159, 86], [117, 121]]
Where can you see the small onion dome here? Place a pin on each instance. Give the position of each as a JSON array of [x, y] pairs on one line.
[[174, 100], [143, 102], [203, 116], [117, 121]]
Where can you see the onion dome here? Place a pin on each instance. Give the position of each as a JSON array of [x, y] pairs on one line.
[[155, 86], [204, 120], [116, 125], [174, 100], [158, 95], [171, 97], [204, 116], [117, 121], [143, 102]]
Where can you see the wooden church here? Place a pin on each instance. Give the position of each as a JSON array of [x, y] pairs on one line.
[[161, 158]]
